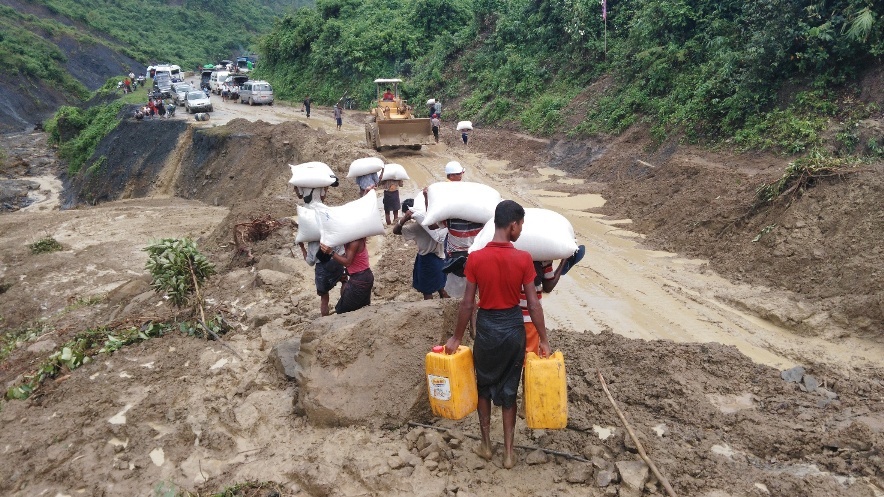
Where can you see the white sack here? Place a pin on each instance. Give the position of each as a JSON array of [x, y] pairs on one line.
[[431, 101], [546, 235], [351, 221], [465, 125], [465, 200], [312, 175], [308, 225], [394, 172], [366, 165]]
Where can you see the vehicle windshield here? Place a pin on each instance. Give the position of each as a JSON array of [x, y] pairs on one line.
[[184, 88], [194, 95]]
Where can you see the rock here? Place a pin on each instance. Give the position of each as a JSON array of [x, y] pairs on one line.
[[475, 463], [537, 457], [604, 477], [42, 346], [258, 316], [238, 279], [633, 475], [246, 415], [579, 473], [629, 443], [284, 357], [352, 361], [431, 465], [827, 393], [409, 458], [281, 264], [793, 375], [274, 279], [602, 464], [810, 383], [127, 291], [395, 462]]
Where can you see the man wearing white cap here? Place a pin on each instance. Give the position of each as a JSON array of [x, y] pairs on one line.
[[461, 233]]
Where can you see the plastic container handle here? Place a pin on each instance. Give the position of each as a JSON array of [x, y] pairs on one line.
[[439, 349]]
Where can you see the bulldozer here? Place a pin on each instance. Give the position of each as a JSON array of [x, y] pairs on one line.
[[392, 122]]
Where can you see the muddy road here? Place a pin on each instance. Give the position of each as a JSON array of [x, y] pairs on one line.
[[620, 286]]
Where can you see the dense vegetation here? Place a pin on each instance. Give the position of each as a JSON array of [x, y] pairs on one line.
[[23, 51], [765, 74], [188, 33]]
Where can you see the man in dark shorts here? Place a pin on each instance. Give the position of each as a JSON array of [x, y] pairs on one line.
[[500, 272], [328, 272], [391, 197]]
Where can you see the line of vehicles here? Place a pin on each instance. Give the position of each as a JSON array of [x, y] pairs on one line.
[[168, 82]]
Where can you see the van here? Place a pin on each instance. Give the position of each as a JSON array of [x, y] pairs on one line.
[[216, 80], [172, 70], [256, 92]]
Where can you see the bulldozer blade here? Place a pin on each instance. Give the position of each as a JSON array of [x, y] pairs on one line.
[[395, 132]]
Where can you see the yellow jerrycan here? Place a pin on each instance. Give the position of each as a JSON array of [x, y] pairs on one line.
[[451, 380], [546, 392]]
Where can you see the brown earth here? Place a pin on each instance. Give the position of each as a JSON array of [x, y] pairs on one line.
[[182, 413]]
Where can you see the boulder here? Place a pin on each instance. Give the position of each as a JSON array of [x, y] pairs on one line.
[[367, 367], [793, 375], [284, 357]]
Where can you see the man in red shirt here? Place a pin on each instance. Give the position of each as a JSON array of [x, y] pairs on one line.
[[500, 273]]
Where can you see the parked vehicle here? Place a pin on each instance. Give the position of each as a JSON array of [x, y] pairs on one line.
[[172, 70], [256, 92], [181, 91], [217, 79], [206, 75], [235, 82], [197, 101], [162, 83], [245, 63]]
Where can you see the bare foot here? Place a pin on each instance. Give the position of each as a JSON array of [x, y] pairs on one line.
[[483, 451], [509, 460]]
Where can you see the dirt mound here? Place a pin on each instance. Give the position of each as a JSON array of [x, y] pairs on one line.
[[367, 367]]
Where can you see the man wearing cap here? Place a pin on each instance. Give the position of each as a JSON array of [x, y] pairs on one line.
[[461, 233], [427, 276]]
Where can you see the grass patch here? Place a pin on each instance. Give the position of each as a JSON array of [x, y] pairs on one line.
[[88, 344], [45, 246], [11, 340]]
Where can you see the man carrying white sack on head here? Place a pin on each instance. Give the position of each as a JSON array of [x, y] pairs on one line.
[[327, 272], [461, 233]]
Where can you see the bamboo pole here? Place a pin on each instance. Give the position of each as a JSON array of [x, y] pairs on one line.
[[638, 444]]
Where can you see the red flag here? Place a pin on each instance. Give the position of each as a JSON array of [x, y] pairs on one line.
[[604, 10]]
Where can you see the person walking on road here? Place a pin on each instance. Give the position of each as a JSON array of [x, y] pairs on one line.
[[356, 292], [339, 114], [499, 272], [436, 122], [306, 106]]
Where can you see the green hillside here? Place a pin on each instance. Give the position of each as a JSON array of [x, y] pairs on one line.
[[188, 32], [763, 74]]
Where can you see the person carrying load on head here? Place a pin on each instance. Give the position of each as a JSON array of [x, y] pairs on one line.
[[327, 271], [391, 197], [427, 275], [356, 291]]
